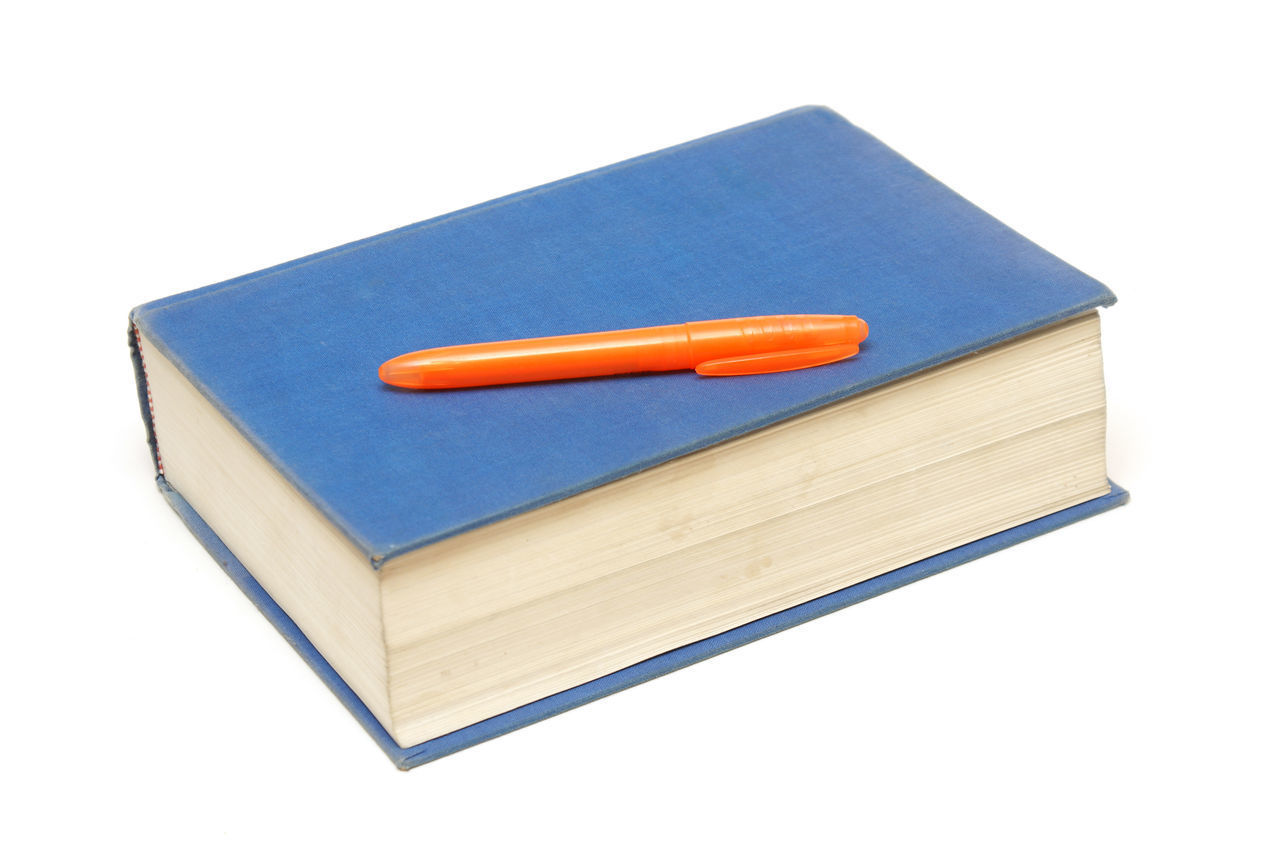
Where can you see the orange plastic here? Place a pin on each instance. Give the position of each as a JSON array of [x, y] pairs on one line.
[[731, 346]]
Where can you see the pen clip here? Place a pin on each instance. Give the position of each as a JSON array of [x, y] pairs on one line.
[[776, 361]]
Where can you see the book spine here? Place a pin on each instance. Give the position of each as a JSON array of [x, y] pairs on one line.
[[144, 398]]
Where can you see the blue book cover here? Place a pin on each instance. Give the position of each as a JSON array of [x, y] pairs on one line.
[[801, 212]]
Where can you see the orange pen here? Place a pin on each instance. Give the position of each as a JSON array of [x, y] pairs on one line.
[[731, 346]]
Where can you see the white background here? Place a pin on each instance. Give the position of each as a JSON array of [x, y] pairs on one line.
[[1109, 688]]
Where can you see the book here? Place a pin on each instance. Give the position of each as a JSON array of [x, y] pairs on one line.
[[458, 564]]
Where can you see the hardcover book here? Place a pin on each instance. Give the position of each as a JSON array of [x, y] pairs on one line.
[[457, 564]]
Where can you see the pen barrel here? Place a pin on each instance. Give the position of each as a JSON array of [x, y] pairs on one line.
[[549, 358]]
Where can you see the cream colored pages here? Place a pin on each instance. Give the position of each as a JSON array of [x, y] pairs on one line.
[[526, 607], [504, 615]]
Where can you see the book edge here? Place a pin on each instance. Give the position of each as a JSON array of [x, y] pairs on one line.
[[144, 395], [406, 758]]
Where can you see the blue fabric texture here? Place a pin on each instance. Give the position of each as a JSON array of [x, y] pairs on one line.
[[799, 213], [428, 751]]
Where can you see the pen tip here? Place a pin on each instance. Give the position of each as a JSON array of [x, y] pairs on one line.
[[396, 373]]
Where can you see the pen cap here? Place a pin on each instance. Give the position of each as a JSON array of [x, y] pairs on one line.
[[765, 334]]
